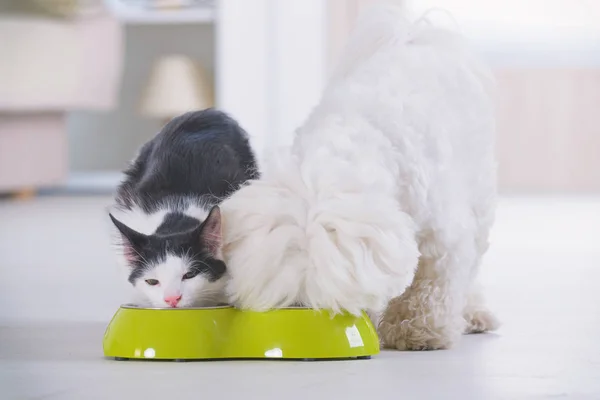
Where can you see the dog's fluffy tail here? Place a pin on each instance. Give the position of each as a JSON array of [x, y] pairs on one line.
[[385, 22]]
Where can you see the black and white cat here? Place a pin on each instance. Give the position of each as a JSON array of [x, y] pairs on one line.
[[167, 209]]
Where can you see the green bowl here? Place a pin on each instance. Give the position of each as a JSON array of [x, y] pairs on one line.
[[230, 333]]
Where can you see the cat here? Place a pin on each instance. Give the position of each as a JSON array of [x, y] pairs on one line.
[[167, 212]]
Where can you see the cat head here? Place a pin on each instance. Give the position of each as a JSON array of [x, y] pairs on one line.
[[181, 269]]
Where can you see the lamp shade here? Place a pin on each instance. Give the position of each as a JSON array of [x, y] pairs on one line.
[[176, 85]]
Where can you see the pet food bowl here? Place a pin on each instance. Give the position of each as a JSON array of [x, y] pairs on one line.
[[229, 333]]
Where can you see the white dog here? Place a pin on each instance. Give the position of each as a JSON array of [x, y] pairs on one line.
[[388, 190]]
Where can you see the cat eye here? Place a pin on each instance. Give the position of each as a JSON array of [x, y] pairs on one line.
[[152, 282], [189, 275]]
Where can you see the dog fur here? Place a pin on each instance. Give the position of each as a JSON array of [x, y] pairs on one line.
[[387, 192]]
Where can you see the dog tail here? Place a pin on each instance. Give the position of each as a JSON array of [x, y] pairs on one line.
[[384, 22], [390, 25]]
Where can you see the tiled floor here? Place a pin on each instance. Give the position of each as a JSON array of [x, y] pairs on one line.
[[542, 276]]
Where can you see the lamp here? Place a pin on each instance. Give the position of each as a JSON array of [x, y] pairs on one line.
[[176, 85]]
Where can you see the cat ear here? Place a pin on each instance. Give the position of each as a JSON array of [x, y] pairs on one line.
[[131, 238], [210, 233]]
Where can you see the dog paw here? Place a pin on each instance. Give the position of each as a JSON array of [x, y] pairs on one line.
[[407, 335], [480, 321], [414, 321]]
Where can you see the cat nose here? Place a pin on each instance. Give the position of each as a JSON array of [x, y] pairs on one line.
[[172, 300]]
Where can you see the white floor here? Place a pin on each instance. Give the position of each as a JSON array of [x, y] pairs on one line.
[[59, 286]]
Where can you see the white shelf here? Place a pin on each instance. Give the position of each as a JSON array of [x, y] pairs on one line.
[[136, 16]]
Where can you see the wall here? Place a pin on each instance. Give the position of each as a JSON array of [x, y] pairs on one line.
[[271, 67], [107, 141], [548, 130]]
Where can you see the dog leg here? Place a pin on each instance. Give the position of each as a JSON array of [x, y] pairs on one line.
[[477, 316], [429, 314]]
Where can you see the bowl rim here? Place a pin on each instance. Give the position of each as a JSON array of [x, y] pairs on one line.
[[131, 306], [135, 307]]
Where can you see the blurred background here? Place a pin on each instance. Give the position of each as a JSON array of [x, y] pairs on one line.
[[83, 83]]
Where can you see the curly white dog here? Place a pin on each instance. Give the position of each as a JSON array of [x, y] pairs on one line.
[[388, 190]]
